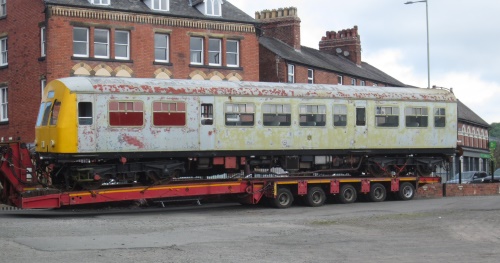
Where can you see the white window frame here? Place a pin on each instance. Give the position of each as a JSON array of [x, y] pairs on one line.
[[100, 2], [3, 52], [165, 48], [196, 51], [362, 83], [353, 82], [310, 76], [43, 39], [215, 52], [340, 80], [86, 42], [127, 45], [160, 5], [3, 8], [211, 6], [101, 43], [4, 102], [230, 53], [43, 83], [290, 73]]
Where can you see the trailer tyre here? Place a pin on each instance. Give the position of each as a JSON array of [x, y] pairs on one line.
[[406, 191], [315, 197], [284, 198], [377, 192], [347, 194]]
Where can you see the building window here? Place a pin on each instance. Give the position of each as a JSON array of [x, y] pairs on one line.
[[213, 7], [233, 53], [3, 52], [43, 42], [4, 109], [241, 114], [161, 47], [340, 115], [160, 5], [340, 80], [387, 117], [439, 117], [166, 113], [100, 2], [214, 51], [43, 84], [3, 8], [101, 43], [122, 44], [312, 115], [416, 117], [80, 42], [126, 113], [353, 82], [277, 114], [310, 76], [196, 47], [291, 73], [375, 85], [362, 83]]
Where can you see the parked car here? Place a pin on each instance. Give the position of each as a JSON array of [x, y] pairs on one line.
[[488, 179], [469, 177]]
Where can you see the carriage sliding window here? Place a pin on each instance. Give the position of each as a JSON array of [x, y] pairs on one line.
[[169, 113], [240, 114], [340, 115], [387, 117], [207, 114], [277, 114], [416, 117], [439, 117], [312, 115], [126, 113], [85, 113]]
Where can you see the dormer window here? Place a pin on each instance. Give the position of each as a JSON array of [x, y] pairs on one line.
[[100, 2], [158, 5], [213, 7]]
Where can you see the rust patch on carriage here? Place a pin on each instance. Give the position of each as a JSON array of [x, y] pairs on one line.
[[132, 141]]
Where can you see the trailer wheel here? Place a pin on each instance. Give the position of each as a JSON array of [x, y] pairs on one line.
[[315, 197], [377, 193], [284, 198], [347, 194], [406, 191]]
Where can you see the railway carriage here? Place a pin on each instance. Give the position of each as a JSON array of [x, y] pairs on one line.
[[94, 131]]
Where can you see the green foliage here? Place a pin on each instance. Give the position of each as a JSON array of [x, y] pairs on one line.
[[495, 130]]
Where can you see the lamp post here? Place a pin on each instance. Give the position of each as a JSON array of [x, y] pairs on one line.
[[427, 21]]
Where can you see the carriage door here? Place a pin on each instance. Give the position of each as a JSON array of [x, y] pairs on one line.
[[206, 122], [86, 123], [361, 128]]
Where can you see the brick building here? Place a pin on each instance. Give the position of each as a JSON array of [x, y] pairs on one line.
[[337, 61], [41, 40]]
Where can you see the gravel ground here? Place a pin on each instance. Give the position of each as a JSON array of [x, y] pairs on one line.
[[460, 229]]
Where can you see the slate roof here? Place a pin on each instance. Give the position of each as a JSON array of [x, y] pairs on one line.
[[322, 60], [178, 8], [467, 115]]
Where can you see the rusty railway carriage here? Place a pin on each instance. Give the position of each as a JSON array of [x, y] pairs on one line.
[[115, 139]]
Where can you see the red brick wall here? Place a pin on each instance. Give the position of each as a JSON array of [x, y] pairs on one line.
[[430, 191], [472, 189], [24, 70]]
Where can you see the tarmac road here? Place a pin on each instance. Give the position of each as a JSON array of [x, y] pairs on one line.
[[458, 229]]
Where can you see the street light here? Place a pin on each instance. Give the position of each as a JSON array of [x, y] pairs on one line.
[[427, 21]]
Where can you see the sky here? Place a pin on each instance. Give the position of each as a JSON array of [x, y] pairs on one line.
[[464, 41]]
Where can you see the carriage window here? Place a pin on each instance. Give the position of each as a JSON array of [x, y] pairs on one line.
[[85, 113], [40, 114], [207, 114], [277, 114], [387, 117], [416, 117], [241, 114], [312, 115], [55, 113], [340, 115], [360, 117], [46, 113], [126, 113], [169, 113], [439, 117]]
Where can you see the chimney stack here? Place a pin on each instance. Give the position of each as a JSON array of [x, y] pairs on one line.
[[282, 24], [343, 43]]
